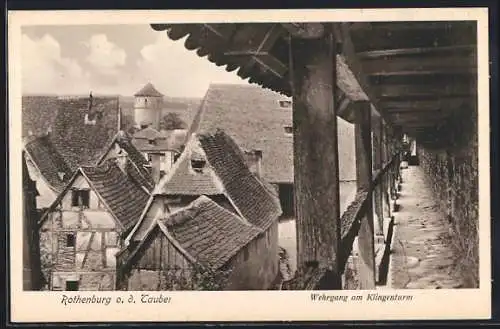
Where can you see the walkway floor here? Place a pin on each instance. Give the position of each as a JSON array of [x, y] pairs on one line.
[[421, 258]]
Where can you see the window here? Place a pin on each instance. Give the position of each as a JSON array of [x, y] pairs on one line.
[[245, 253], [198, 165], [288, 130], [70, 240], [61, 175], [71, 285], [285, 104], [80, 198], [151, 141]]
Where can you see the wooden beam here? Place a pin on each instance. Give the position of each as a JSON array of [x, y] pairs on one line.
[[316, 174], [256, 50], [395, 92], [443, 78], [396, 35], [444, 104], [305, 30], [366, 247], [353, 63], [455, 50], [377, 165], [439, 72], [386, 155], [419, 65]]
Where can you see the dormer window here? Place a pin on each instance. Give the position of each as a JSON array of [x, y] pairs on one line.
[[285, 104], [198, 165], [88, 121], [61, 175], [288, 130]]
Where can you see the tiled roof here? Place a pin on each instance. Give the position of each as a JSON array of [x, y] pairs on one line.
[[125, 198], [148, 133], [28, 183], [163, 141], [136, 166], [182, 180], [225, 172], [80, 143], [258, 205], [38, 114], [148, 90], [253, 117], [209, 233], [48, 161]]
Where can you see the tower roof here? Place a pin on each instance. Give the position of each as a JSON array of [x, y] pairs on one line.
[[149, 90]]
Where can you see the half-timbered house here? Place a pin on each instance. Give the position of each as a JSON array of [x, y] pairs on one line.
[[77, 129], [85, 227], [212, 165]]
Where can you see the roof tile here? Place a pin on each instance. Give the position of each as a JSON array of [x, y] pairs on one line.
[[209, 233], [125, 198]]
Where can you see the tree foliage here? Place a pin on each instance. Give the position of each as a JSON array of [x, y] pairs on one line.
[[196, 278], [172, 121]]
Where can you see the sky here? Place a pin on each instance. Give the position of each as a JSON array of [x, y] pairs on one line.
[[113, 59]]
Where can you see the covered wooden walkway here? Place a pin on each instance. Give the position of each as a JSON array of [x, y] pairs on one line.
[[422, 256], [389, 78]]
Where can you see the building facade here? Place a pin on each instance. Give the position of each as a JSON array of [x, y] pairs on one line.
[[85, 227], [148, 104], [213, 168]]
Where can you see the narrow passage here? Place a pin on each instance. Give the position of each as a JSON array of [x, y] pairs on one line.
[[422, 257]]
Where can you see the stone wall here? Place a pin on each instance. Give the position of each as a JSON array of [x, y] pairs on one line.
[[450, 158]]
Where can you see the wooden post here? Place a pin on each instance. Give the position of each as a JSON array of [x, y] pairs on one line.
[[366, 247], [316, 186], [386, 156], [377, 164]]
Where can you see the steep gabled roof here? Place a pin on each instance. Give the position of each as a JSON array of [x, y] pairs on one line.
[[253, 117], [136, 166], [46, 158], [125, 198], [82, 144], [251, 198], [38, 114], [209, 233], [226, 173], [171, 140], [28, 183], [148, 133], [182, 180], [148, 90]]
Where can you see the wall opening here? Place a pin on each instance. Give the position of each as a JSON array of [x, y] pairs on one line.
[[72, 285], [286, 200]]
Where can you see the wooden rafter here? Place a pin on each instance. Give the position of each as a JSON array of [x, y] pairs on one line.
[[419, 65], [463, 49], [261, 53], [349, 54], [305, 30]]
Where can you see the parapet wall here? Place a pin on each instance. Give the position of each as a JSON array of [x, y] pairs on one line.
[[451, 164]]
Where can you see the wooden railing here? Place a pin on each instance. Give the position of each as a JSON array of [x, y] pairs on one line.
[[315, 277]]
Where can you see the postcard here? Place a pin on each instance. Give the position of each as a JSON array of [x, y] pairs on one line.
[[249, 165]]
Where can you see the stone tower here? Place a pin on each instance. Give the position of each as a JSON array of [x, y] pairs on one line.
[[147, 107]]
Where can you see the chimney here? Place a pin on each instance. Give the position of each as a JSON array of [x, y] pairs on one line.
[[155, 167], [254, 161], [119, 118], [49, 130]]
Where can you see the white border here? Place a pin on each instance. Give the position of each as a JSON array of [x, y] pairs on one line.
[[254, 305]]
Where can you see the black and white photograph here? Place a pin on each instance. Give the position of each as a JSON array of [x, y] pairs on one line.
[[336, 159]]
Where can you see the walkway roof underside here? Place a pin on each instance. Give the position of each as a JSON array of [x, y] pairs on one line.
[[416, 74]]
